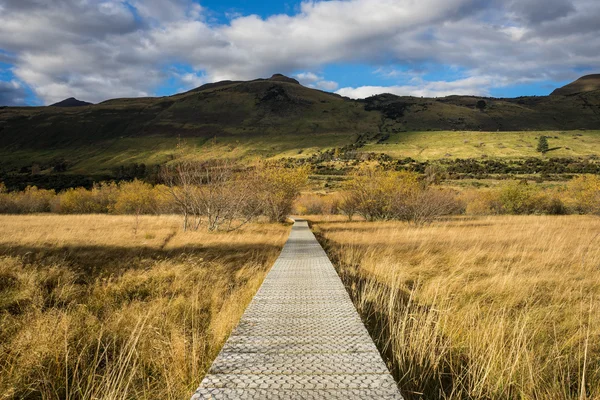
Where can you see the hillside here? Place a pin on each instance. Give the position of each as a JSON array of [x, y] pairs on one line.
[[264, 117], [588, 83]]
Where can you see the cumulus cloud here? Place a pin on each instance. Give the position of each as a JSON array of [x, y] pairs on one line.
[[478, 86], [99, 49], [327, 85], [313, 80]]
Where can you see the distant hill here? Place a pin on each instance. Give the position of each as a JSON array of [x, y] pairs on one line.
[[588, 83], [71, 102], [263, 117]]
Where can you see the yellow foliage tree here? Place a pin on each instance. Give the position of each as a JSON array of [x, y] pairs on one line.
[[83, 201], [278, 187], [134, 197]]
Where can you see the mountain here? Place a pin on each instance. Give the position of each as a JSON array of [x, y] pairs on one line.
[[263, 117], [71, 102], [585, 84]]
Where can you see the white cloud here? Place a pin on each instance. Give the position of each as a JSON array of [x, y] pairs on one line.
[[477, 86], [190, 80], [313, 80], [308, 77], [98, 49], [327, 85]]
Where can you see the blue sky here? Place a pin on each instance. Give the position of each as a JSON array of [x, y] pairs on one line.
[[101, 49], [223, 10]]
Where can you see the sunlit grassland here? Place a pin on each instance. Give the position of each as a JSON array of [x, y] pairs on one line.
[[119, 307], [479, 308], [429, 145], [102, 157]]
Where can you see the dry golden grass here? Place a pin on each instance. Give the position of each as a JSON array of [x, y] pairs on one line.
[[91, 310], [485, 308]]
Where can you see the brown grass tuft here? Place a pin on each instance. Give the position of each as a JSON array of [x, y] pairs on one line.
[[483, 308], [90, 308]]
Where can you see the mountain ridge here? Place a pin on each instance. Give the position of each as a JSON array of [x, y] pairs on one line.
[[262, 117], [71, 102], [587, 83]]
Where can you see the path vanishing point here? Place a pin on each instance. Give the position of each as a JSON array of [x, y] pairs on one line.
[[300, 337]]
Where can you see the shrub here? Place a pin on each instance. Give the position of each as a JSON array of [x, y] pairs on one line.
[[513, 198], [277, 188], [316, 204], [584, 194], [98, 200], [31, 200], [226, 196], [518, 198], [134, 197], [430, 203], [481, 202], [376, 194], [163, 200]]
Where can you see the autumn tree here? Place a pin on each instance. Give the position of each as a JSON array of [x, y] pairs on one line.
[[276, 188]]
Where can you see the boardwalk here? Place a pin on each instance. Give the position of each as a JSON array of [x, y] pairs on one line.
[[300, 337]]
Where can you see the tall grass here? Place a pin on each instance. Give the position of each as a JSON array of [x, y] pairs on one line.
[[120, 307], [485, 308]]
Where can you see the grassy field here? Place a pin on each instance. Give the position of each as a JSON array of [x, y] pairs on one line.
[[91, 310], [102, 157], [482, 308], [511, 145]]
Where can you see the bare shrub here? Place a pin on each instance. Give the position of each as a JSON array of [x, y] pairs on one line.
[[216, 193], [376, 194], [348, 205], [424, 206]]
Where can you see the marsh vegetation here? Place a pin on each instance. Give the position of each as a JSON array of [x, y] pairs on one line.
[[496, 307], [120, 307]]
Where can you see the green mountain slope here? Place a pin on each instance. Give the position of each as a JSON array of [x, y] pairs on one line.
[[265, 117]]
